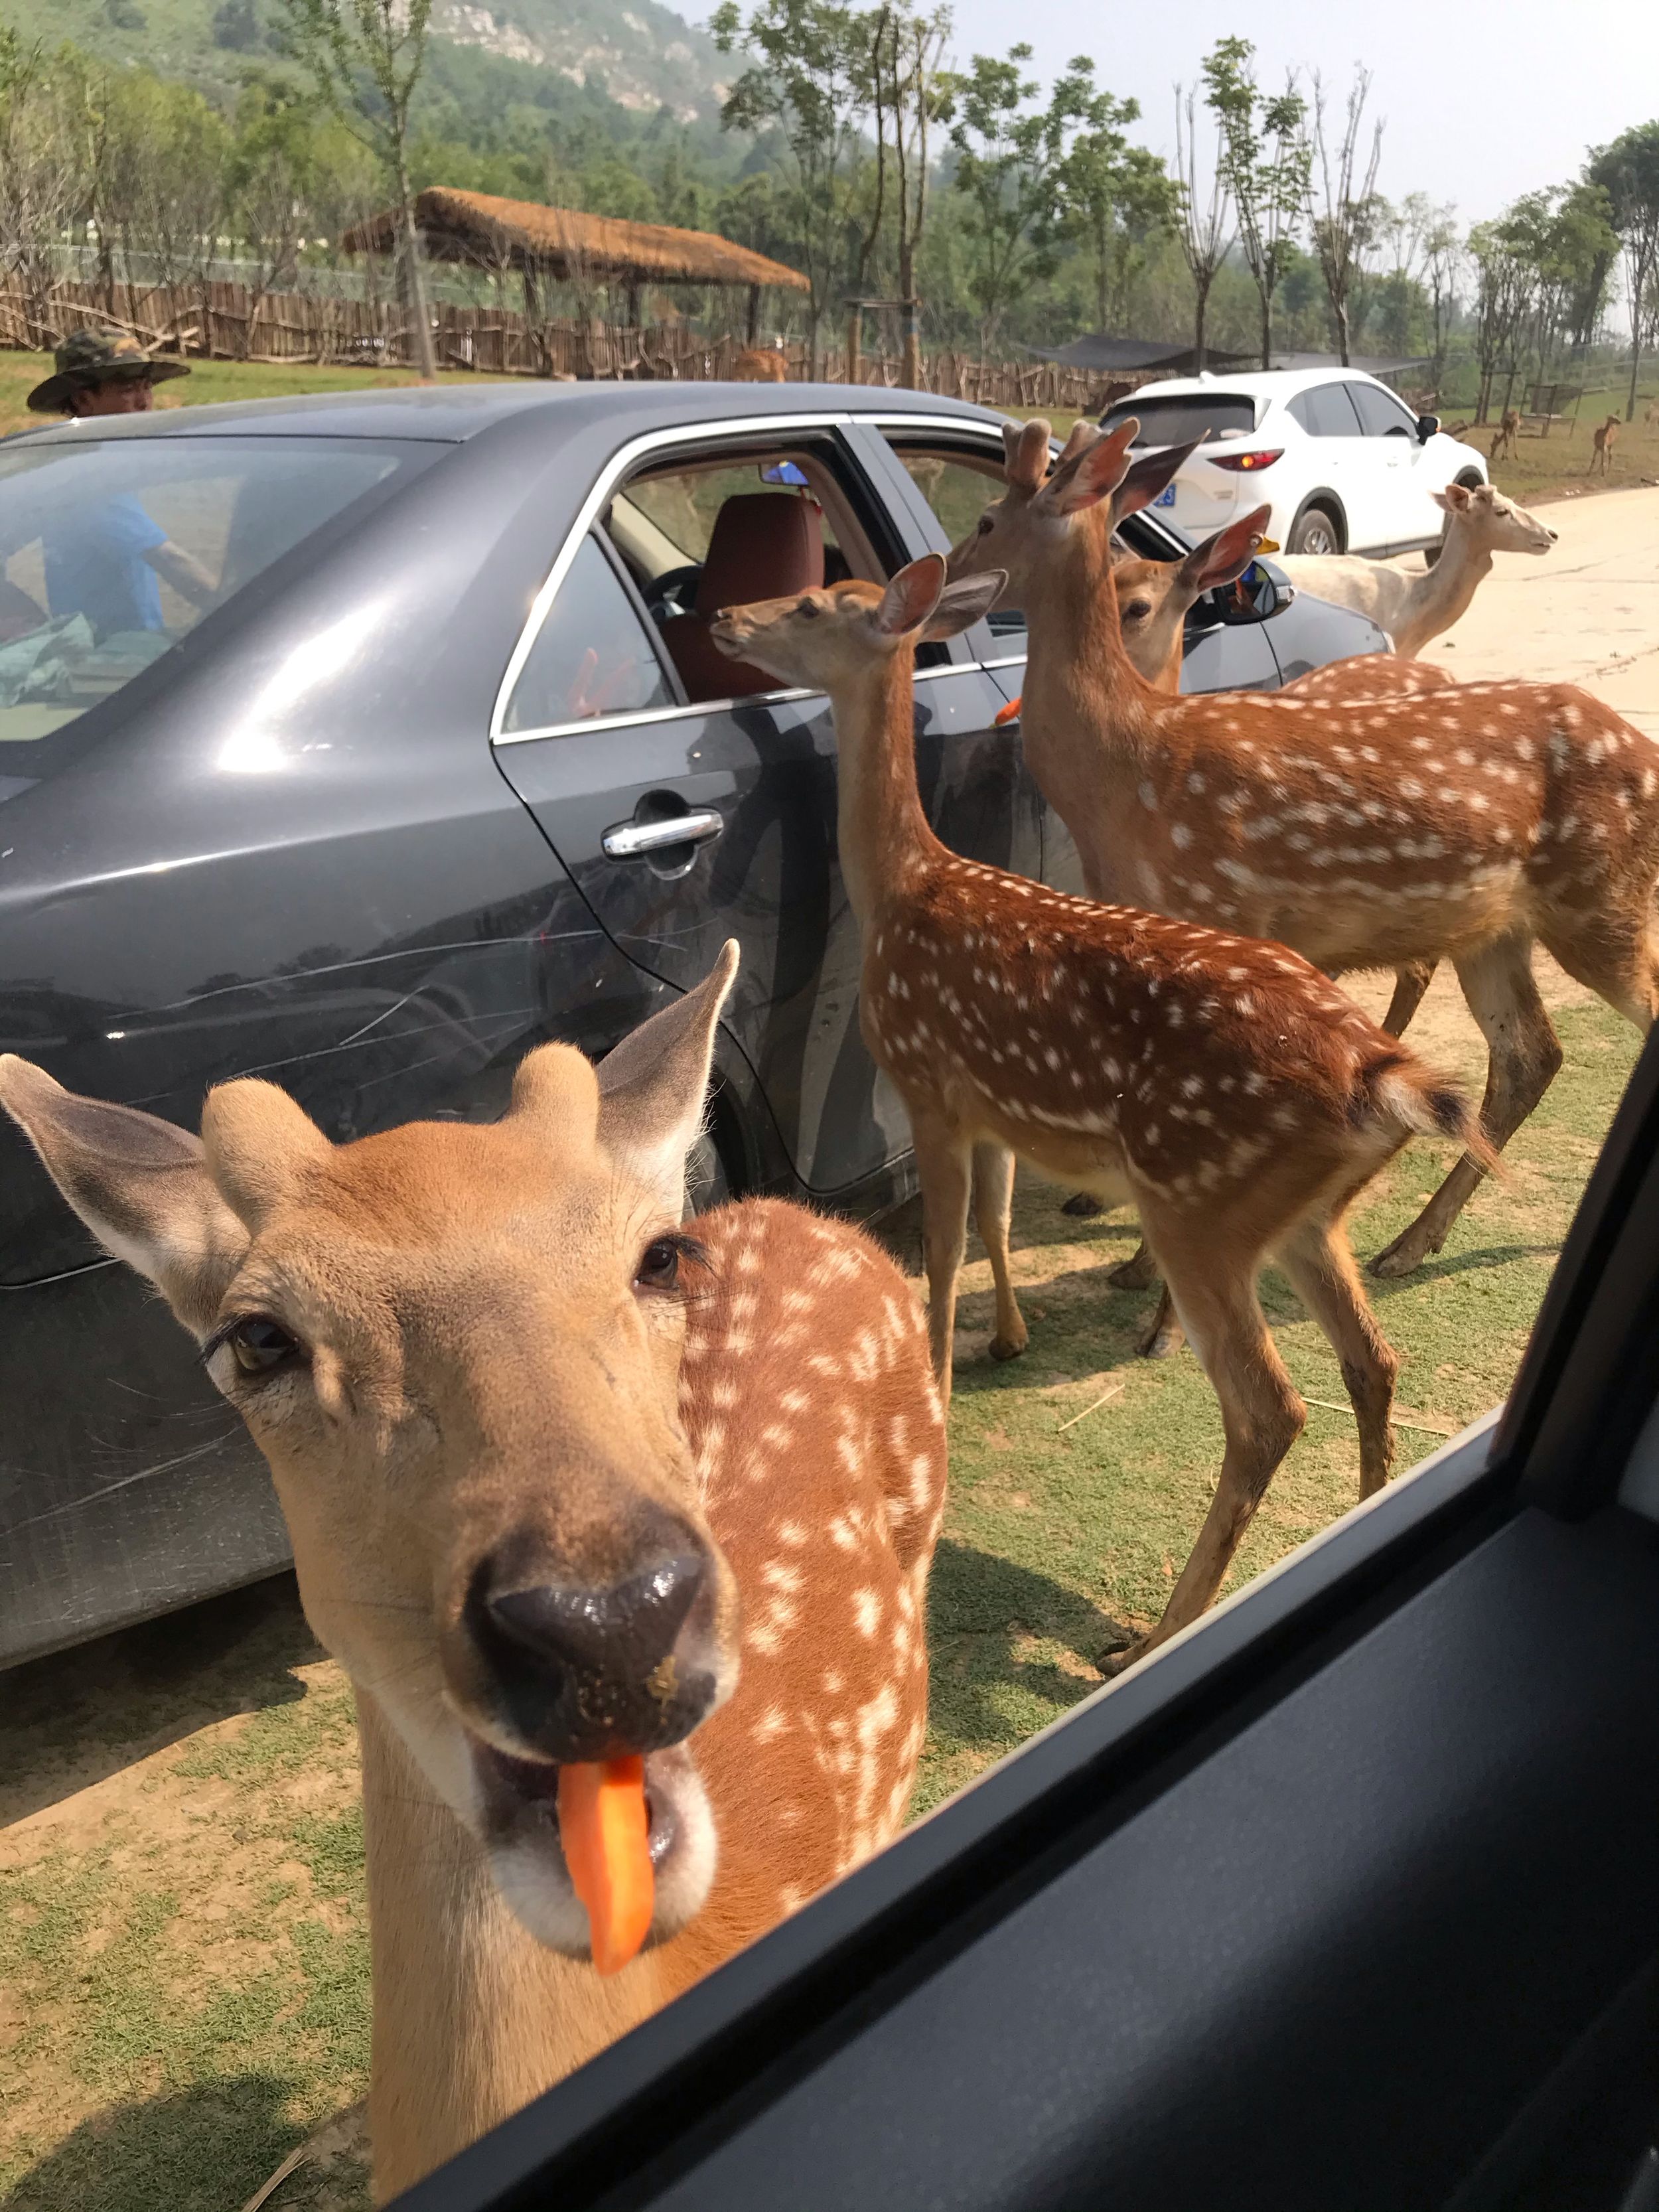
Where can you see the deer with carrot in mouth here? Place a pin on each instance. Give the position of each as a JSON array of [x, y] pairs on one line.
[[620, 1529]]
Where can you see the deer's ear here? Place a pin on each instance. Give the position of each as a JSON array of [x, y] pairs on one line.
[[1226, 554], [1025, 453], [1093, 474], [965, 602], [653, 1087], [1153, 473], [1454, 499], [911, 597], [139, 1183]]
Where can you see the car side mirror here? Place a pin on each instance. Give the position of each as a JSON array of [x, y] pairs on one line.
[[1427, 426], [1256, 596]]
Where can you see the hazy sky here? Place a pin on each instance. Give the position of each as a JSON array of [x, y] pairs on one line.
[[1482, 101]]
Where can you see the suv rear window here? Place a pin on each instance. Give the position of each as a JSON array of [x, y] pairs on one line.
[[112, 551], [1172, 421]]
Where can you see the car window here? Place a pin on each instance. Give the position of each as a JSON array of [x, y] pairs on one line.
[[112, 551], [592, 655], [1380, 412], [1324, 411], [1174, 421], [959, 488]]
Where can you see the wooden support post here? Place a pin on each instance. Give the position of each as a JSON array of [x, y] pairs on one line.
[[855, 341], [752, 329]]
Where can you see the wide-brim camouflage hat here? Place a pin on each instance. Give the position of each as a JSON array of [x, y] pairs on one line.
[[96, 357]]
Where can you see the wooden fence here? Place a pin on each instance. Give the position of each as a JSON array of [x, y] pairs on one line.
[[233, 322]]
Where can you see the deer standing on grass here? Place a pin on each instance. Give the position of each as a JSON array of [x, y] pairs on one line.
[[1227, 1088], [1606, 437], [552, 1466], [1366, 833], [1509, 429]]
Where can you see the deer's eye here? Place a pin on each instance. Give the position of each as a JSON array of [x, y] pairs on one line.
[[987, 522], [260, 1345], [1137, 610], [659, 1265], [808, 610]]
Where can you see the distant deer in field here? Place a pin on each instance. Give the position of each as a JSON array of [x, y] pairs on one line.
[[1509, 429], [596, 1512], [1226, 1087], [1606, 437], [760, 365], [1651, 413], [1366, 833]]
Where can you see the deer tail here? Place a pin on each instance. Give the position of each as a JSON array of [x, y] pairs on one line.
[[1399, 1090]]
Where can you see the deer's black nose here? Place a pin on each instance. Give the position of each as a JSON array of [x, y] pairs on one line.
[[593, 1671]]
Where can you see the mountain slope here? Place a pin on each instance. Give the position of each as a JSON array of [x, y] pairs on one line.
[[643, 55]]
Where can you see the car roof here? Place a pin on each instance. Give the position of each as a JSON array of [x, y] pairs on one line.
[[452, 414], [1258, 384]]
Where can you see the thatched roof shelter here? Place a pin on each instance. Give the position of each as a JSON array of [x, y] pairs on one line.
[[563, 243]]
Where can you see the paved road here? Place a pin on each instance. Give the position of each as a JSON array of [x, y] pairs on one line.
[[1587, 612]]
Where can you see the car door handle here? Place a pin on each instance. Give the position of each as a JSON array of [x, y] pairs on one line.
[[628, 840]]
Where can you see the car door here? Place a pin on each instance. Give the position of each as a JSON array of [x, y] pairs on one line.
[[688, 821], [1413, 518], [1344, 460], [1383, 464], [1344, 1903]]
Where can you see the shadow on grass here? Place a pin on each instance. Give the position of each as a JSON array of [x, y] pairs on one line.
[[980, 1608], [205, 2150], [80, 1716]]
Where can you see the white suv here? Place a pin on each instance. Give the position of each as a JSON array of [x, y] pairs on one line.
[[1344, 464]]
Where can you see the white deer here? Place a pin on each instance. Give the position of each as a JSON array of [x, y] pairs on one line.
[[553, 1468]]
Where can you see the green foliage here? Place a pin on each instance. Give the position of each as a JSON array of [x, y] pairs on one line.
[[1114, 197], [1008, 154], [1267, 162]]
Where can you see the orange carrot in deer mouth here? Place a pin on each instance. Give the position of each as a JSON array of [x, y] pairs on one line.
[[604, 1832]]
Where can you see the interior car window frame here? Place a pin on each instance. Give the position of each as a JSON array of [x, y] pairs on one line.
[[689, 438]]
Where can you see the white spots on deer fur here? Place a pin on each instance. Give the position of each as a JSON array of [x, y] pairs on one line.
[[770, 1725], [1196, 783], [791, 1533], [867, 1611]]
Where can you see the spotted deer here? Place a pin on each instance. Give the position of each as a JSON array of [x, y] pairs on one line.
[[1509, 429], [1604, 438], [760, 365], [1227, 1088], [1465, 825], [565, 1481]]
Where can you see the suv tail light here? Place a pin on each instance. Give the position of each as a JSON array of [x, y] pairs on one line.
[[1245, 463]]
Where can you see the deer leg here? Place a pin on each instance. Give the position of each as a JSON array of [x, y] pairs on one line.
[[1162, 1335], [1621, 966], [1525, 1059], [1138, 1273], [1411, 981], [1322, 1273], [993, 1201], [1262, 1414], [944, 1164]]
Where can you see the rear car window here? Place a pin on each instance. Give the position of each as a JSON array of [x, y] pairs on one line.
[[1193, 415], [112, 551], [592, 656]]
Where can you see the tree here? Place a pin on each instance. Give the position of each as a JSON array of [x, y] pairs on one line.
[[909, 93], [1343, 220], [1267, 160], [1628, 172], [1112, 195], [807, 90], [1200, 216], [43, 143], [366, 57], [1501, 294], [1007, 154]]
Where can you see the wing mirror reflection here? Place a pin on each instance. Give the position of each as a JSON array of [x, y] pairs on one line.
[[1427, 425], [1261, 592]]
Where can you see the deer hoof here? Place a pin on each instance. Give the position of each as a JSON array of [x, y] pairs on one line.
[[1163, 1339], [1008, 1347], [1114, 1664], [1406, 1254], [1138, 1273], [1083, 1207]]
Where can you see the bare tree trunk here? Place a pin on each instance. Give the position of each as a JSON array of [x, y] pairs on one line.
[[1637, 292], [854, 344], [415, 307], [1201, 312], [910, 334], [1267, 330]]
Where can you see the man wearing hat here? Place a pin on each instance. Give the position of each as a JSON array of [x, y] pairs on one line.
[[106, 558], [93, 373]]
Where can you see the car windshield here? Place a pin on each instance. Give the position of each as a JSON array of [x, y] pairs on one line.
[[1184, 415], [111, 551]]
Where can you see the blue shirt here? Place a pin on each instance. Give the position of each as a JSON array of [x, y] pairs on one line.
[[94, 561]]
